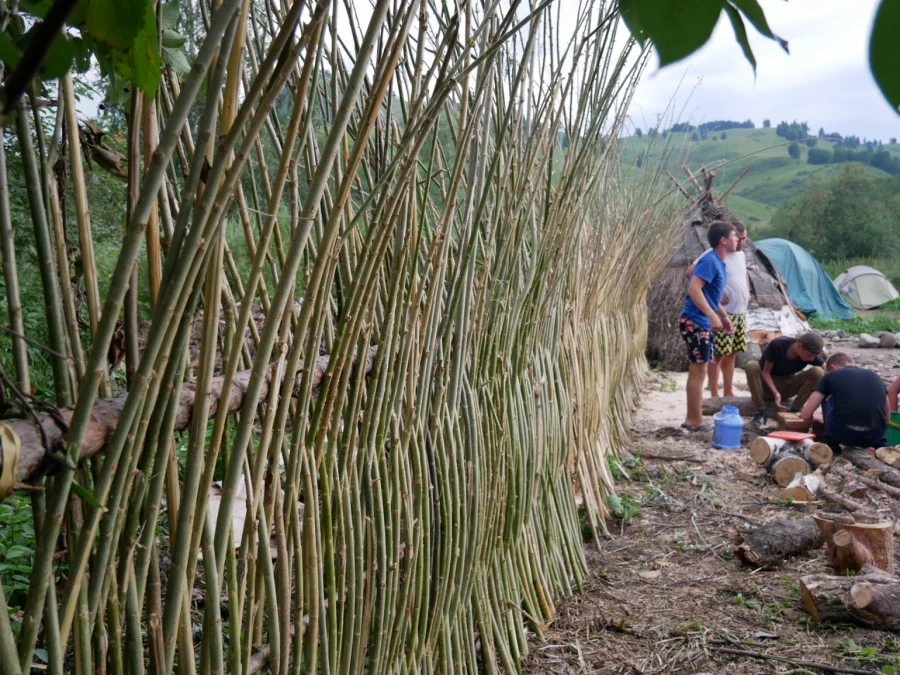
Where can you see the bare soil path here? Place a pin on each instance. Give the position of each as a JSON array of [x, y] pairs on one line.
[[666, 593]]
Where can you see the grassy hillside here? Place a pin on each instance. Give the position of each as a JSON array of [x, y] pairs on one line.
[[774, 176]]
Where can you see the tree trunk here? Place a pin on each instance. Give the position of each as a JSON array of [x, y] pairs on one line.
[[870, 599], [771, 543], [105, 416], [852, 545]]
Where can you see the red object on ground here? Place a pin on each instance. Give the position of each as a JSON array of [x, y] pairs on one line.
[[793, 436]]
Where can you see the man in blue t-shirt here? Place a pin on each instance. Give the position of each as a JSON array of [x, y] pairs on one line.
[[702, 314]]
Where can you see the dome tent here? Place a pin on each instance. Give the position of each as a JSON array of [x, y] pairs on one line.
[[865, 287], [808, 286]]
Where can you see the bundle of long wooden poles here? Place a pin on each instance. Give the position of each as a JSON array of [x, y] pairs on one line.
[[439, 188]]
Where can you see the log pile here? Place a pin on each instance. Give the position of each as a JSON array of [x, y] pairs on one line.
[[871, 598], [784, 459]]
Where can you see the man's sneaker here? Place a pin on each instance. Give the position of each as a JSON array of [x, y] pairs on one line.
[[759, 418]]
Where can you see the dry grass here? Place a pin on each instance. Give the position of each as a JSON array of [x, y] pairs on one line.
[[667, 594]]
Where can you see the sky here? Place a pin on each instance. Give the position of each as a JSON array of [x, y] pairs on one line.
[[825, 80]]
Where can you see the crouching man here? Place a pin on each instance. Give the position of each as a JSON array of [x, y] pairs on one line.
[[854, 404], [779, 373]]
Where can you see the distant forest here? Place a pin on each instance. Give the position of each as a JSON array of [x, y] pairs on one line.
[[846, 148]]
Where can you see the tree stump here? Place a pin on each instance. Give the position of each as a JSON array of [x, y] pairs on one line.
[[803, 488], [889, 456], [870, 599], [771, 543], [852, 544]]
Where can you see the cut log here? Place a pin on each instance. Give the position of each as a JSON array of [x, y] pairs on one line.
[[870, 599], [771, 543], [889, 456], [744, 404], [803, 488], [851, 545], [863, 459], [763, 447]]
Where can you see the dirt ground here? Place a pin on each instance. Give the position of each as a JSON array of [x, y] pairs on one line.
[[666, 593]]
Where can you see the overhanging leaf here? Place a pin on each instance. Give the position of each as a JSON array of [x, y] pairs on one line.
[[677, 28], [176, 60], [756, 16], [117, 23], [38, 8], [59, 59], [8, 52], [740, 33], [168, 15], [146, 65], [884, 57], [172, 39]]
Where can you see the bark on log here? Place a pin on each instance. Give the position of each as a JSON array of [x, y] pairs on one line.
[[763, 447], [851, 545], [771, 543], [803, 488], [863, 459], [33, 460], [889, 456], [870, 599]]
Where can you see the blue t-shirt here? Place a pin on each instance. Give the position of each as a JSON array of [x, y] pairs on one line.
[[712, 270]]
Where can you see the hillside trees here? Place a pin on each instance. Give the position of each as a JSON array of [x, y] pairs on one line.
[[794, 150], [852, 215], [794, 131]]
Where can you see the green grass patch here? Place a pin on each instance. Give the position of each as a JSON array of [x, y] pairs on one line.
[[858, 325]]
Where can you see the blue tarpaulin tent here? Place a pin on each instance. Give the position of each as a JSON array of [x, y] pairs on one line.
[[808, 285]]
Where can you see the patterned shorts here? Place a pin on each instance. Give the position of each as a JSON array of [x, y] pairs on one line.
[[729, 343], [699, 343]]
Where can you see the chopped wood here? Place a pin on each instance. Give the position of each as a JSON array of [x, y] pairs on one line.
[[791, 422], [803, 488], [840, 500], [771, 543], [763, 447], [889, 456], [851, 545], [870, 599], [863, 459], [693, 178]]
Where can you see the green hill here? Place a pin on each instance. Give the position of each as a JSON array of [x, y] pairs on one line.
[[774, 176]]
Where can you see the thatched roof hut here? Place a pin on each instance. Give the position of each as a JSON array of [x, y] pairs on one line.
[[770, 313]]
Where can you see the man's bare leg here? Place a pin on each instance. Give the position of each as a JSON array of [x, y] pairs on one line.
[[696, 375], [712, 370], [726, 366]]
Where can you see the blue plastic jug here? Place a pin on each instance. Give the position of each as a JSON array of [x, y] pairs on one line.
[[727, 433]]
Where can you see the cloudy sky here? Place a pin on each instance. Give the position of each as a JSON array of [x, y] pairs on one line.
[[825, 80]]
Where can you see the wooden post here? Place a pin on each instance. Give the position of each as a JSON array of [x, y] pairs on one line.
[[852, 544], [871, 599]]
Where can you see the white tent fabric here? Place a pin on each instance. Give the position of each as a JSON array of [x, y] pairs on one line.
[[865, 287]]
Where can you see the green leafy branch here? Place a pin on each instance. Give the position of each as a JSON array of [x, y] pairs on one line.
[[678, 28]]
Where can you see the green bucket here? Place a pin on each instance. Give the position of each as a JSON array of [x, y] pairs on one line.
[[893, 430]]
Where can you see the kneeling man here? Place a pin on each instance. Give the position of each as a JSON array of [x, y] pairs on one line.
[[780, 373], [854, 404]]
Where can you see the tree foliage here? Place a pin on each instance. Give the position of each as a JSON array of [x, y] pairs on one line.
[[851, 216]]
